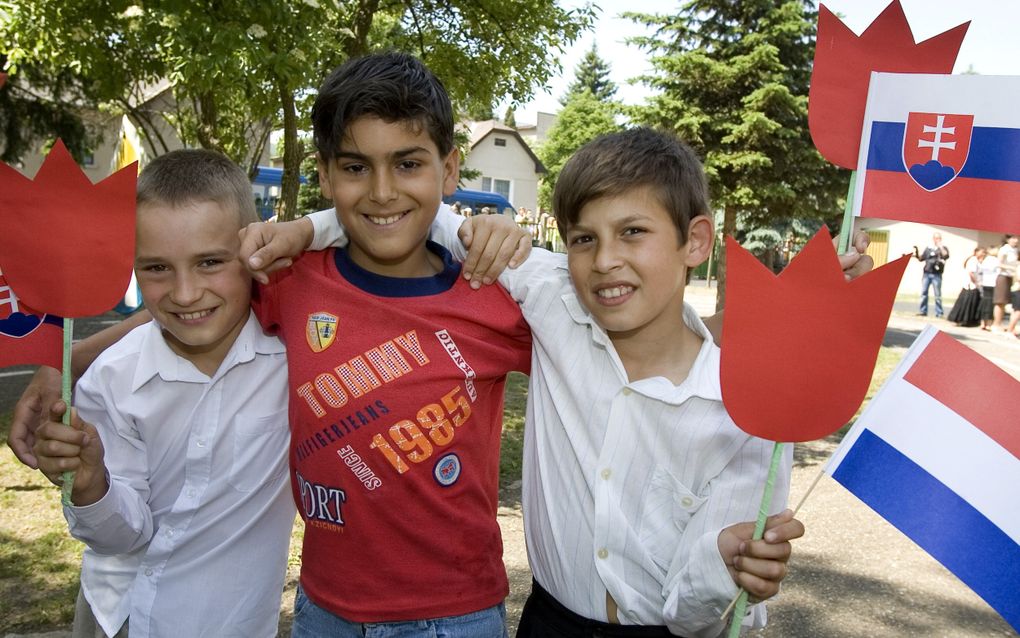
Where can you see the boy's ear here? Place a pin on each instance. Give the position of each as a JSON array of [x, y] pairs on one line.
[[325, 187], [451, 172], [700, 238]]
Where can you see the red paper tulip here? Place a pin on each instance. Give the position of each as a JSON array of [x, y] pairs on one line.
[[67, 245], [843, 66], [3, 80], [799, 349]]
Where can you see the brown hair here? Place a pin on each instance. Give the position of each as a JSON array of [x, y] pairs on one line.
[[618, 162], [190, 175]]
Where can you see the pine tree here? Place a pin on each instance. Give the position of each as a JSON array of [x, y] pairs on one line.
[[732, 80], [591, 74], [508, 117]]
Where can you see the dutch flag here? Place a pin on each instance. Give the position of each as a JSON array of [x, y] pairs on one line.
[[937, 454]]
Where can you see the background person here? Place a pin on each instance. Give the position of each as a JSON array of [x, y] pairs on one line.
[[934, 258]]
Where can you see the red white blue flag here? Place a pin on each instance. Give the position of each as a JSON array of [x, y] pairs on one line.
[[937, 454], [942, 150], [27, 336]]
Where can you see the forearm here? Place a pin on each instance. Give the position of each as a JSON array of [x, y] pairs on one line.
[[85, 351]]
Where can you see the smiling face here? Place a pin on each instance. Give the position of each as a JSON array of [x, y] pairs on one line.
[[627, 263], [191, 280], [387, 181]]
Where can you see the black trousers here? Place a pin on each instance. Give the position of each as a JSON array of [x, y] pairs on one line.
[[545, 617]]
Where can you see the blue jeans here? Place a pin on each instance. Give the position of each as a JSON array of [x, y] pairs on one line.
[[931, 279], [312, 621]]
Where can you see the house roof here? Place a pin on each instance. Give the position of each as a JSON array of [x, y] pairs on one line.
[[482, 130]]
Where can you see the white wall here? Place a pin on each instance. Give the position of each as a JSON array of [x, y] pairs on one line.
[[510, 162], [903, 236]]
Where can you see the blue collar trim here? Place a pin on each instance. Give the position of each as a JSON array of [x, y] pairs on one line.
[[384, 286]]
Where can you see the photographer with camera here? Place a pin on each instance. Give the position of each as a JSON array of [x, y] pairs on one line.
[[934, 258]]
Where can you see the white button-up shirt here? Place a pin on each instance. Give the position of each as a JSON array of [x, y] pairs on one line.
[[191, 539], [626, 484]]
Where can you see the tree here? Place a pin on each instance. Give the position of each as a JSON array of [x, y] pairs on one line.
[[238, 69], [508, 117], [583, 118], [732, 80], [29, 116], [592, 75]]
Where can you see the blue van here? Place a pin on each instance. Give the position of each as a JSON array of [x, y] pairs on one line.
[[475, 200]]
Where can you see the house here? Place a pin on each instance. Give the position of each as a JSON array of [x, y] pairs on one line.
[[891, 239], [139, 135], [507, 164], [535, 134]]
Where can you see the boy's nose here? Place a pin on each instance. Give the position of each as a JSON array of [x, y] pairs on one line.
[[607, 258], [186, 290], [383, 190]]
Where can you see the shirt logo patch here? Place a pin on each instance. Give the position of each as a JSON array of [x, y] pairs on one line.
[[320, 330], [447, 470]]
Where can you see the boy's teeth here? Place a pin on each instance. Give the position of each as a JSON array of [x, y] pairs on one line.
[[617, 291], [385, 221], [191, 316]]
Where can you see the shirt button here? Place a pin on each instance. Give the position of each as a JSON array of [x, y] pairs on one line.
[[170, 533], [191, 493], [200, 443], [687, 501], [148, 572], [606, 473], [603, 553], [627, 392]]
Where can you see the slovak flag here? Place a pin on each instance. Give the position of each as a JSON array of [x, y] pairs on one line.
[[941, 150], [26, 336], [937, 454]]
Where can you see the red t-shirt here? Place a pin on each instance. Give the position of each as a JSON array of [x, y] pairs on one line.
[[396, 409]]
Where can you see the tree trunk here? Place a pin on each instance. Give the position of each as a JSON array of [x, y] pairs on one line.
[[292, 153], [729, 228]]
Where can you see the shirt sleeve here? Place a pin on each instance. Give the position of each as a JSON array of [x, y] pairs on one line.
[[121, 521], [327, 230], [266, 306], [698, 587]]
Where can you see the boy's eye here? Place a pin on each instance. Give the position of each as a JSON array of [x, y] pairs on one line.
[[156, 268], [210, 263], [633, 230], [355, 169], [408, 165], [580, 239]]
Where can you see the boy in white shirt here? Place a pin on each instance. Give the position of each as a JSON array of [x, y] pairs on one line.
[[180, 436], [637, 484]]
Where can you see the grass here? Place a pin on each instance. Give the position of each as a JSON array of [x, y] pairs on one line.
[[39, 561]]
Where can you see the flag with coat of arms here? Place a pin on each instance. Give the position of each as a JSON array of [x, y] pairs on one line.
[[942, 150]]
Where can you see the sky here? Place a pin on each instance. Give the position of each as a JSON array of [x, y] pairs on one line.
[[991, 47]]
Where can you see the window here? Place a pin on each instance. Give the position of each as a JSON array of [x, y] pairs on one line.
[[89, 160], [496, 185], [500, 141]]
